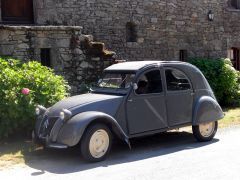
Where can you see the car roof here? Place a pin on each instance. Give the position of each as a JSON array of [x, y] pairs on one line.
[[197, 78], [137, 65]]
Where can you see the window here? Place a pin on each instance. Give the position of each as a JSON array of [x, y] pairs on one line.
[[176, 80], [235, 4], [17, 11], [149, 82], [183, 55], [131, 32], [116, 80], [46, 57]]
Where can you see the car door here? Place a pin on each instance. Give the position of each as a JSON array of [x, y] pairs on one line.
[[146, 109], [179, 97]]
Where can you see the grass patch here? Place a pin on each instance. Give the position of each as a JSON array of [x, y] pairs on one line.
[[12, 151], [20, 151], [232, 117]]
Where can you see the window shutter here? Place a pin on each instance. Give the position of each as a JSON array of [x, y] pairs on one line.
[[235, 4], [17, 11], [238, 4]]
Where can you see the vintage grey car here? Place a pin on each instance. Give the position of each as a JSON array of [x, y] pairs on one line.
[[132, 99]]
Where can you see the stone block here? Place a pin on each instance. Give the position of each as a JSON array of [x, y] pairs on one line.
[[63, 43], [95, 58], [19, 38], [79, 78], [154, 20], [84, 65], [43, 42], [19, 32], [66, 57], [23, 46], [4, 35], [86, 37], [77, 51], [140, 40], [6, 50]]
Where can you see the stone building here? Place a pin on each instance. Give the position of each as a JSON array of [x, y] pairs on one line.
[[134, 29]]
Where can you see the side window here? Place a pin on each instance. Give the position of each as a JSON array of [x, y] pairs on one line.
[[176, 80], [149, 83]]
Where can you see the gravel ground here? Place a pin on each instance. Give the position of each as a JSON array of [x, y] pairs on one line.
[[165, 156]]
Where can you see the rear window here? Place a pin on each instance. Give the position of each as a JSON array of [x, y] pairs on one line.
[[176, 80]]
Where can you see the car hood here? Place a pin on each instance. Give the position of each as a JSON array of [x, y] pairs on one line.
[[87, 102]]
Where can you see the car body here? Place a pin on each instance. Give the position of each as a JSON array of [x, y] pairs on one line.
[[133, 99]]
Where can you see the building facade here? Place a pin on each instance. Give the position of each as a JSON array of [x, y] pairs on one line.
[[162, 29], [141, 29]]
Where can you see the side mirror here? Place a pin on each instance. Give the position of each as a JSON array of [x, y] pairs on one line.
[[135, 86]]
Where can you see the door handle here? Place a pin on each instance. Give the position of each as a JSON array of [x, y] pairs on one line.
[[192, 93], [130, 100]]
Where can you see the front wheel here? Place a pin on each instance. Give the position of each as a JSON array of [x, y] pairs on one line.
[[205, 131], [96, 143]]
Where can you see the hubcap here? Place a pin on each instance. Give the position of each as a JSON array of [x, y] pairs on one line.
[[99, 143], [206, 129]]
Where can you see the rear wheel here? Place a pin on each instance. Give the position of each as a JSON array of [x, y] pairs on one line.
[[205, 131], [96, 143]]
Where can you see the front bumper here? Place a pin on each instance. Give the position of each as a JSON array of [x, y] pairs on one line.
[[46, 142]]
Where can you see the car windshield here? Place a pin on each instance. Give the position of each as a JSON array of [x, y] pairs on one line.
[[115, 80]]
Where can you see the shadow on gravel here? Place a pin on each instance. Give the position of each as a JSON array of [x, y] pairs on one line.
[[70, 161]]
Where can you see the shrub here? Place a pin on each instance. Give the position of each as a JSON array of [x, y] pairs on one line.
[[22, 87], [222, 77]]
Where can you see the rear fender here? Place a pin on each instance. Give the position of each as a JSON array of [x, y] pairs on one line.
[[207, 109]]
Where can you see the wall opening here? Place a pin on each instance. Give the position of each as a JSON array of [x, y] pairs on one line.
[[183, 55], [45, 55], [235, 4], [131, 32], [17, 11], [234, 56]]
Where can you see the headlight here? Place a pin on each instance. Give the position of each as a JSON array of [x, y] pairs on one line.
[[37, 111], [62, 115], [40, 110], [65, 114]]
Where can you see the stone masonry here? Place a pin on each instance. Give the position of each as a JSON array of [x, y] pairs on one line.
[[163, 26], [162, 29], [70, 55]]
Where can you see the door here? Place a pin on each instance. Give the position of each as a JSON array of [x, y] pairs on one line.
[[17, 11], [146, 109], [179, 97]]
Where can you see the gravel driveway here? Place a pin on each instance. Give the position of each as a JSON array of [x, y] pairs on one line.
[[166, 156]]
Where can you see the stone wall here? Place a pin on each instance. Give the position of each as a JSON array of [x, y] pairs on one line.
[[69, 50], [0, 11], [163, 26]]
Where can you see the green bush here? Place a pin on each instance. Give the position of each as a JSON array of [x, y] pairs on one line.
[[222, 77], [16, 108]]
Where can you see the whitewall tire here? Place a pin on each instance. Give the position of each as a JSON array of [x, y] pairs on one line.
[[96, 143], [205, 131]]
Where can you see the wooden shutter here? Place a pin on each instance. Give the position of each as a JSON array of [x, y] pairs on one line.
[[17, 11], [235, 4]]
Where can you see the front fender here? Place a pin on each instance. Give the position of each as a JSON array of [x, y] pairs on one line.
[[207, 109], [72, 131]]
